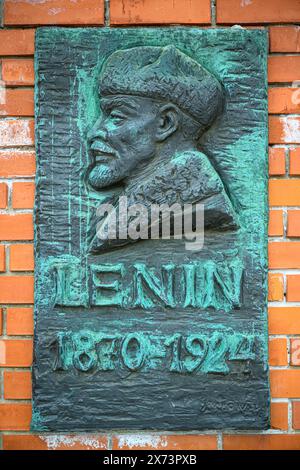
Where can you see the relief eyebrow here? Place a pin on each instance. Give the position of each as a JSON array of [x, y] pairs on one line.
[[117, 102]]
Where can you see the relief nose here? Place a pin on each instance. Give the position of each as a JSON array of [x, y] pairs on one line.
[[97, 132]]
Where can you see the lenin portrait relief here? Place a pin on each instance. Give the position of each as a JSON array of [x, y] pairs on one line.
[[151, 333], [156, 103]]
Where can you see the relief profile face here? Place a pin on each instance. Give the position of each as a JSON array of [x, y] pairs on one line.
[[122, 139]]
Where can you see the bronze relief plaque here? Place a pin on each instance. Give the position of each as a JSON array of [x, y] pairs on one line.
[[151, 230]]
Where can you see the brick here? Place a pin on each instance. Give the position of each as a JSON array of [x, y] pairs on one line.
[[16, 353], [19, 321], [18, 102], [284, 320], [18, 71], [285, 39], [54, 442], [2, 258], [15, 132], [276, 161], [278, 352], [54, 12], [25, 442], [293, 288], [15, 417], [284, 130], [23, 195], [1, 321], [279, 416], [284, 255], [3, 195], [284, 192], [154, 442], [276, 288], [158, 12], [16, 289], [285, 383], [295, 161], [276, 223], [17, 385], [296, 415], [262, 442], [295, 352], [21, 257], [284, 100], [17, 41], [257, 11], [16, 227], [283, 69], [16, 163], [293, 225]]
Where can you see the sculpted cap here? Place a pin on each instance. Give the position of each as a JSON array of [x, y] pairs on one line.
[[164, 73]]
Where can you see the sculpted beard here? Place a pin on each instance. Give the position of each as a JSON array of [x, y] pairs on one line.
[[106, 174]]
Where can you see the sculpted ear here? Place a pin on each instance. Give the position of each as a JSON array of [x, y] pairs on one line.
[[168, 121]]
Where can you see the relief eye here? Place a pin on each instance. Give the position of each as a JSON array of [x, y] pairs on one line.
[[117, 116]]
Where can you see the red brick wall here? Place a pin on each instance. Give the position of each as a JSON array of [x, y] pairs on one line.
[[17, 168]]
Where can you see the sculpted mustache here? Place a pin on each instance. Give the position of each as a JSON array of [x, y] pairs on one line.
[[101, 147]]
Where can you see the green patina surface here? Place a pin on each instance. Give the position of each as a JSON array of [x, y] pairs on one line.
[[149, 326]]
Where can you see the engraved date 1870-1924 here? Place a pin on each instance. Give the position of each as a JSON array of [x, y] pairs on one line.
[[89, 351]]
